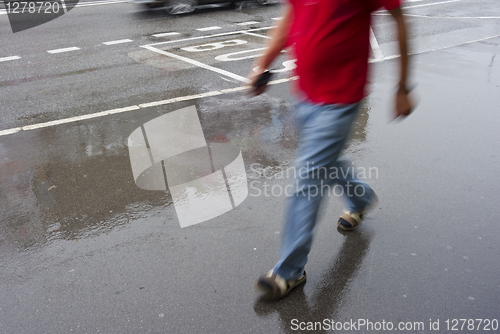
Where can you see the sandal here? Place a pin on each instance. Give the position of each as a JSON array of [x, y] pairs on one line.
[[349, 221], [275, 287]]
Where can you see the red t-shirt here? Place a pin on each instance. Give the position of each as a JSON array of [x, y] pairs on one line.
[[332, 42]]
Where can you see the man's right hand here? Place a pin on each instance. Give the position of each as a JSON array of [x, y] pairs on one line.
[[253, 76], [259, 82], [276, 43]]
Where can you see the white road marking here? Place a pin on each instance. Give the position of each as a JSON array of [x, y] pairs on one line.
[[431, 50], [246, 23], [199, 37], [288, 65], [256, 35], [209, 28], [79, 118], [120, 41], [9, 58], [190, 97], [99, 3], [74, 48], [197, 63], [64, 6], [86, 4], [275, 82], [214, 46], [210, 36], [377, 52], [179, 99], [10, 131], [431, 4], [445, 17], [417, 6], [134, 107], [276, 18], [226, 79], [166, 34], [227, 56]]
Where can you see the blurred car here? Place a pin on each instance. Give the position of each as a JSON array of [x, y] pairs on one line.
[[175, 7]]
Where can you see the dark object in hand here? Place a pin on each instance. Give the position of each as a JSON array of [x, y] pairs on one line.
[[263, 79]]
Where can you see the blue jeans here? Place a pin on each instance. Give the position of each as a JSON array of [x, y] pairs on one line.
[[323, 131]]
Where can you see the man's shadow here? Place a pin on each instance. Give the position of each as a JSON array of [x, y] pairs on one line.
[[332, 287]]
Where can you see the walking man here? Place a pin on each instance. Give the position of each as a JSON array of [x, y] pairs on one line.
[[331, 42]]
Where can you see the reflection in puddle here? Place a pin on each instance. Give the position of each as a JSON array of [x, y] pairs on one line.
[[70, 192], [91, 197], [170, 152], [330, 292], [73, 181]]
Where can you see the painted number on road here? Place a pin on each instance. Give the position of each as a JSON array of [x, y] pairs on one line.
[[214, 46], [228, 56]]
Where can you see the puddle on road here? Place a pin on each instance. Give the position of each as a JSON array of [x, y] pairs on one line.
[[75, 181], [84, 189], [331, 290]]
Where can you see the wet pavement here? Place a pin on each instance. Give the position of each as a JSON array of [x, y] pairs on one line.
[[84, 250]]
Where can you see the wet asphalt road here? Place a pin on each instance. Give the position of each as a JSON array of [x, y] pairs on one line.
[[84, 250]]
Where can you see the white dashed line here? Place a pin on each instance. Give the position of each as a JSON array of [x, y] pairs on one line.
[[276, 18], [209, 28], [9, 58], [98, 3], [166, 34], [74, 48], [246, 23], [120, 41]]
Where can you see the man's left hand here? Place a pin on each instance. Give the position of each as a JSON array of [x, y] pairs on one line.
[[404, 105]]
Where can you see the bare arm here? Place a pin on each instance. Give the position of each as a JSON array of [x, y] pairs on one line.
[[277, 42], [403, 104]]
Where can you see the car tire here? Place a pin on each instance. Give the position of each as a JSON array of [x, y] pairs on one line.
[[176, 7]]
